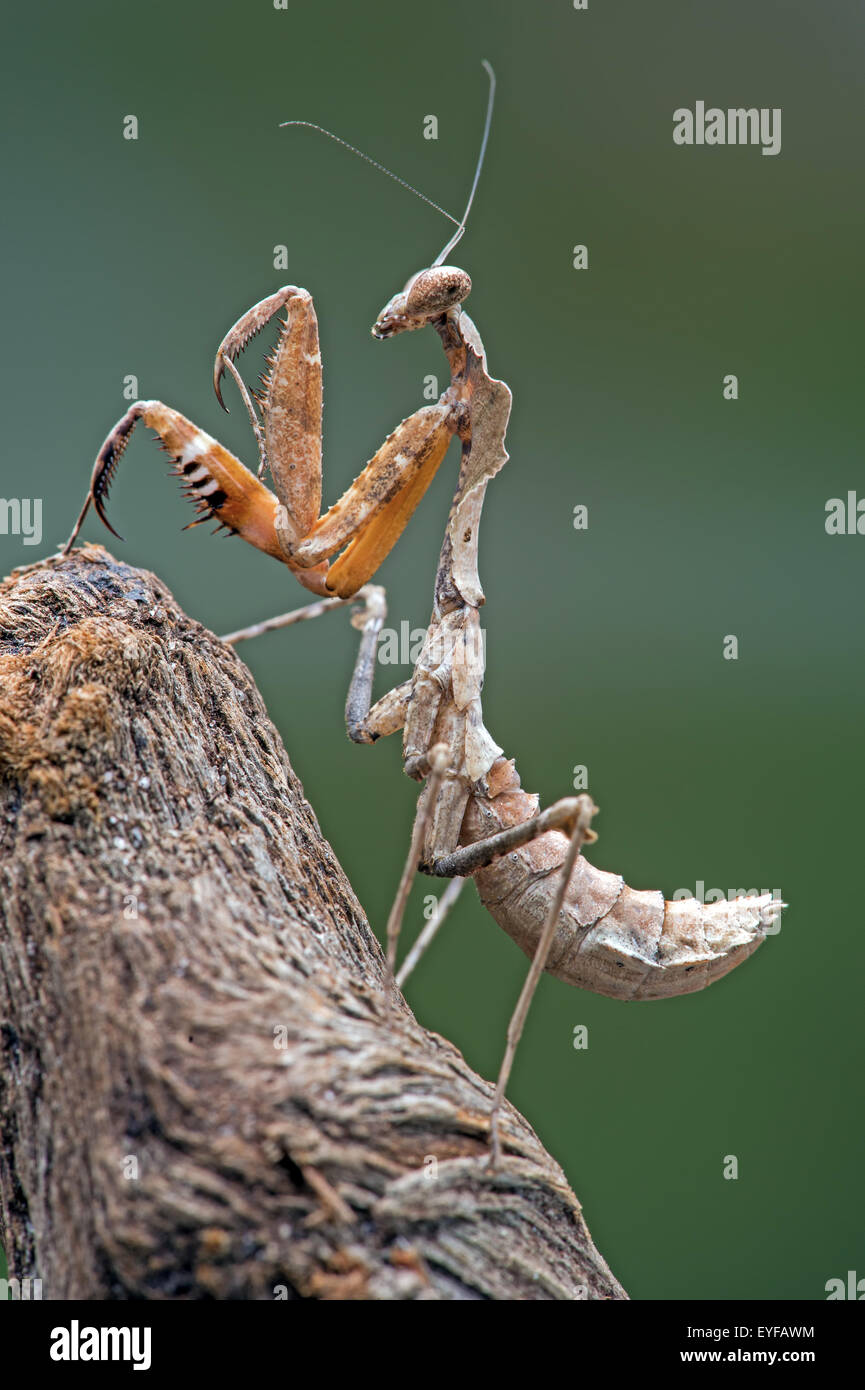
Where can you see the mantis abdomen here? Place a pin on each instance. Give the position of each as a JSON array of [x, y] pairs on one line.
[[609, 938]]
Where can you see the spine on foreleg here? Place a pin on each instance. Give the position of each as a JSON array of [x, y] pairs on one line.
[[610, 938]]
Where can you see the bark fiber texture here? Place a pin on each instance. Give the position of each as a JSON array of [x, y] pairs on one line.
[[206, 1090]]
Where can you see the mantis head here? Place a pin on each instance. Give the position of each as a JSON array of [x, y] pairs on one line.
[[428, 295]]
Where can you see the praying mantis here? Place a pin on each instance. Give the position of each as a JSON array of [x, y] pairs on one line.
[[579, 923]]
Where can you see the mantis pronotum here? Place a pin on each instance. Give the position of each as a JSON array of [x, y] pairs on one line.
[[579, 923]]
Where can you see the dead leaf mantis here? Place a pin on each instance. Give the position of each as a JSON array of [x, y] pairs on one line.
[[577, 922]]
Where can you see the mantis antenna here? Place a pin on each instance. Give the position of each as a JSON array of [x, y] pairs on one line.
[[461, 225], [439, 260]]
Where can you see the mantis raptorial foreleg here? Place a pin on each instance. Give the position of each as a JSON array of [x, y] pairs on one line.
[[364, 523]]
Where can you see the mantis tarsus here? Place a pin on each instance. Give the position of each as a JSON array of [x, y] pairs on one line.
[[579, 923]]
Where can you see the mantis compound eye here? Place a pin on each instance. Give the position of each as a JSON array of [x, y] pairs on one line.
[[433, 292]]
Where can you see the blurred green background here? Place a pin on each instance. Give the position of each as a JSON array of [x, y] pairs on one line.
[[706, 517]]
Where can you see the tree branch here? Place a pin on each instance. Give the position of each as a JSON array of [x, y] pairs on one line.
[[204, 1090]]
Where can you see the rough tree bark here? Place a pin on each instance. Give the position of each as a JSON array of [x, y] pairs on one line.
[[204, 1089]]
